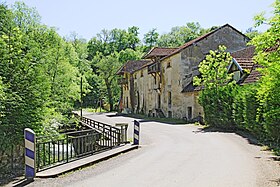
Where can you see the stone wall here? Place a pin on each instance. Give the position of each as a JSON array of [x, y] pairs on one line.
[[177, 71], [11, 163], [194, 54]]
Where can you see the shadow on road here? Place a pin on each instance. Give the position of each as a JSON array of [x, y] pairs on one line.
[[246, 135], [145, 119], [19, 182]]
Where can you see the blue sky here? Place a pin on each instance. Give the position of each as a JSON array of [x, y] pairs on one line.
[[89, 17]]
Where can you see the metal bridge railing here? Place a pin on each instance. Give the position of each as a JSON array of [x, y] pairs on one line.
[[64, 148]]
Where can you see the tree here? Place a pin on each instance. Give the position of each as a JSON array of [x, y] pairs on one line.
[[115, 40], [107, 68], [77, 46], [216, 96], [25, 97], [151, 38], [180, 35], [102, 49], [37, 74], [268, 55], [251, 33]]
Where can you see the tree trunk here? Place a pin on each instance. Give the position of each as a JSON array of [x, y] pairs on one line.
[[109, 92]]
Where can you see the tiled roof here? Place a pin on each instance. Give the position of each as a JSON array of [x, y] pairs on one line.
[[247, 52], [254, 75], [244, 57], [159, 52], [245, 63], [132, 66], [191, 88], [198, 39]]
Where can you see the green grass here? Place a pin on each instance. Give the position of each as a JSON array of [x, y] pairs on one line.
[[95, 110]]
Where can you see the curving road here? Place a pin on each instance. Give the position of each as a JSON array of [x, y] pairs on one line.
[[178, 155]]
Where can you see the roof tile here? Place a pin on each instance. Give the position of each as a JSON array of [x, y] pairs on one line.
[[132, 66], [159, 52]]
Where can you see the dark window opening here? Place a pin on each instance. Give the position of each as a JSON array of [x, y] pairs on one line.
[[189, 112], [169, 99], [168, 65], [126, 102]]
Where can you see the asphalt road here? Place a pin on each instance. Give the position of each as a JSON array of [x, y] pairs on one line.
[[177, 155]]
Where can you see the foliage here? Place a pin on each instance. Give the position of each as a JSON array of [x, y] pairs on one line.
[[254, 107], [251, 33], [180, 35], [217, 93], [245, 109], [107, 51], [38, 75], [110, 41], [107, 67], [268, 55], [151, 39]]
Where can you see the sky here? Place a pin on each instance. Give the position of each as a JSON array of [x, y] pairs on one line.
[[89, 17]]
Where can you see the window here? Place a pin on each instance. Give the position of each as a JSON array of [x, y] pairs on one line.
[[236, 76], [141, 73], [135, 76], [159, 101], [168, 64], [126, 102], [189, 112], [169, 99]]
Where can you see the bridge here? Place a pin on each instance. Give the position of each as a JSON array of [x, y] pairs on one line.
[[93, 140]]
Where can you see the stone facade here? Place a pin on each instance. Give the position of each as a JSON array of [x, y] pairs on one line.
[[163, 87]]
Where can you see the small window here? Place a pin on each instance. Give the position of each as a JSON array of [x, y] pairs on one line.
[[189, 112], [169, 99], [126, 102], [142, 73], [168, 64], [135, 76]]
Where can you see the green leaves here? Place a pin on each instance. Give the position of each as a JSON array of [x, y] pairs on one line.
[[217, 93], [39, 79], [268, 55], [214, 69], [251, 107], [180, 35]]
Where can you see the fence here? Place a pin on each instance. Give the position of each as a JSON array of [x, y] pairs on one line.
[[73, 145]]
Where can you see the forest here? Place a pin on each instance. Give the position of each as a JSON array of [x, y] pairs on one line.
[[41, 72]]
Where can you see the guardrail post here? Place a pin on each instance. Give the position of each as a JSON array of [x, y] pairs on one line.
[[136, 132], [30, 153], [123, 131]]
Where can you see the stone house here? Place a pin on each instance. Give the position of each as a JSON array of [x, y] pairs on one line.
[[161, 84]]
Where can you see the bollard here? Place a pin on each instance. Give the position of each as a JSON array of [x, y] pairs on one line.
[[30, 153], [136, 132], [124, 127]]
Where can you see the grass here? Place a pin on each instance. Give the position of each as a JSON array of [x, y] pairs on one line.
[[265, 148], [95, 110]]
